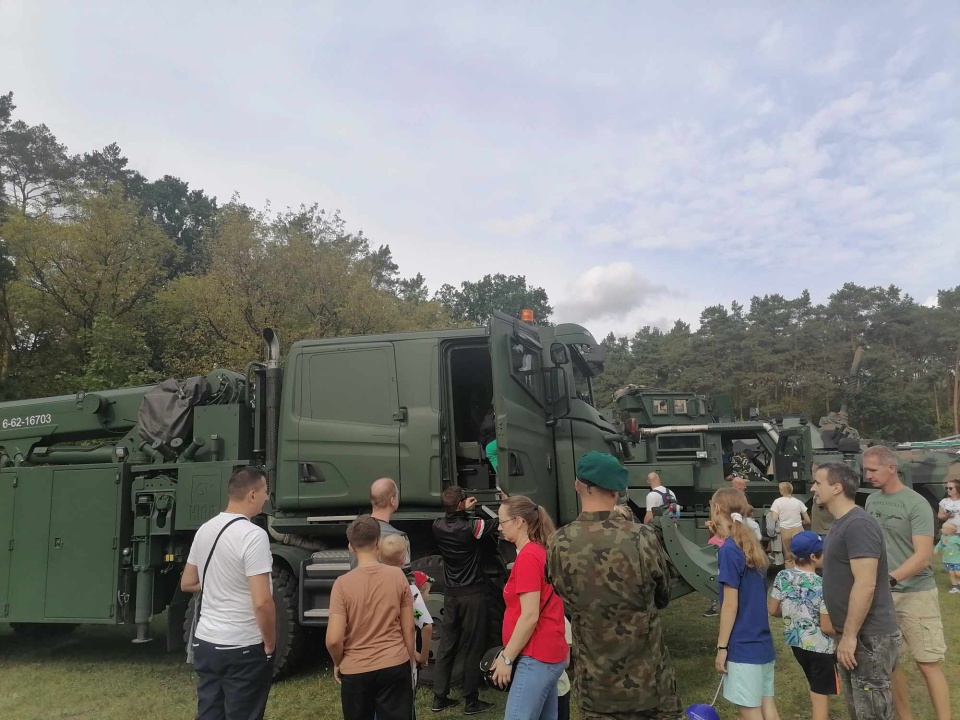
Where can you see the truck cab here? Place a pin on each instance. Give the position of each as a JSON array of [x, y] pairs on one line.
[[412, 407], [421, 408]]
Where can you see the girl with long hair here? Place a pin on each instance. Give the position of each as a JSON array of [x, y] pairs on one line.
[[744, 644], [534, 645]]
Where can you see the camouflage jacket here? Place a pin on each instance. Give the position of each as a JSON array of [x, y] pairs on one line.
[[614, 578]]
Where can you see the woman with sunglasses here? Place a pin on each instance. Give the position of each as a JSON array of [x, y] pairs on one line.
[[535, 647], [950, 505]]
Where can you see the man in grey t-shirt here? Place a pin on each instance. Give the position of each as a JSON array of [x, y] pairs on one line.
[[384, 502], [856, 592]]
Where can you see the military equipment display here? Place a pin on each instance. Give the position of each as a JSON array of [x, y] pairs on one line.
[[692, 442], [101, 492]]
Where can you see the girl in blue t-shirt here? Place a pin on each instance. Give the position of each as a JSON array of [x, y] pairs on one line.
[[744, 645]]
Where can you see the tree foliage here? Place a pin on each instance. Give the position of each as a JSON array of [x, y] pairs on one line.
[[109, 278], [788, 355], [37, 173], [474, 302]]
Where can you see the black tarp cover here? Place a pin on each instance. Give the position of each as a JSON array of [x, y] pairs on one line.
[[166, 411]]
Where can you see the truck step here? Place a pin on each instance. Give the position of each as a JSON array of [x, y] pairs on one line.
[[317, 613], [339, 567]]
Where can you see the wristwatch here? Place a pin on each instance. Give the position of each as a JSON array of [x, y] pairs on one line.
[[506, 661], [893, 581]]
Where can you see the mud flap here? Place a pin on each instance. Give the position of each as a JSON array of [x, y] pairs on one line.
[[696, 567], [176, 615]]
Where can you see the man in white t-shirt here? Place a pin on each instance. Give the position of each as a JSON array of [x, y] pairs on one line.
[[792, 515], [236, 631], [657, 497]]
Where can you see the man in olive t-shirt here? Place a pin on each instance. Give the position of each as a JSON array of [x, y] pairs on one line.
[[907, 522]]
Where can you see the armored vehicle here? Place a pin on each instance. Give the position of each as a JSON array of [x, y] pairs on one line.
[[692, 442]]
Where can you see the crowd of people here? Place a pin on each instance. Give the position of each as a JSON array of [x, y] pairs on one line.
[[852, 600]]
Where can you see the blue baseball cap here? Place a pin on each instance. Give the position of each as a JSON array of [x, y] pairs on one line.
[[702, 711], [805, 544]]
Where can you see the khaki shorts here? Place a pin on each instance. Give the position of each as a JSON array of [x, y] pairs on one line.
[[918, 615]]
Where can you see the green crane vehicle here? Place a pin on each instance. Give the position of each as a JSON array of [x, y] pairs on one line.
[[102, 492]]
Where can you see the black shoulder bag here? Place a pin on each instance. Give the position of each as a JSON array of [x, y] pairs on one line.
[[199, 597], [490, 657]]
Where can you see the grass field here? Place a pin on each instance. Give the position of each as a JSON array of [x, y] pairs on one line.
[[97, 674]]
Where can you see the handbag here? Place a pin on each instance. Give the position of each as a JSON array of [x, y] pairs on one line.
[[198, 602], [490, 656]]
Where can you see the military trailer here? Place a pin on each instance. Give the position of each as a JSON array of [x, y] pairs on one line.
[[101, 492]]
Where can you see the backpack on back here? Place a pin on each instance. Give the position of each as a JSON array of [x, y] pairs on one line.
[[670, 505]]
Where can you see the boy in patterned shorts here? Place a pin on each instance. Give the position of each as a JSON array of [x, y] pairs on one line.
[[797, 597]]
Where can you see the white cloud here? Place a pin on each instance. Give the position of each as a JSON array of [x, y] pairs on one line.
[[773, 37], [843, 54], [606, 292], [599, 153], [716, 76]]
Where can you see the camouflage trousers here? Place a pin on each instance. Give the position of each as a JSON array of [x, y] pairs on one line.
[[635, 715], [866, 688]]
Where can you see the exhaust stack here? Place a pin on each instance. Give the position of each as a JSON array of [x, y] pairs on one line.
[[272, 375]]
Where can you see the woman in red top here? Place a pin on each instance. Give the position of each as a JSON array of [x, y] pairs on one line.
[[535, 648]]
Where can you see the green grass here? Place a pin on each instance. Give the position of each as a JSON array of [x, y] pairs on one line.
[[97, 674]]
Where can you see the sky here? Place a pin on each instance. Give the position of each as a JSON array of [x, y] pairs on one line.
[[640, 161]]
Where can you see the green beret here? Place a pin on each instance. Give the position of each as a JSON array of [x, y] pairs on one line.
[[602, 470]]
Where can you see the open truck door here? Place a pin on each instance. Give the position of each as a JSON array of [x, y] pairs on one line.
[[522, 407]]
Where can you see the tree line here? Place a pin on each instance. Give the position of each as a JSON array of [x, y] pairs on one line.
[[110, 279], [790, 356]]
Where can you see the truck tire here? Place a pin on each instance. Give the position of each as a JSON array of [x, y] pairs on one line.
[[291, 635], [431, 566]]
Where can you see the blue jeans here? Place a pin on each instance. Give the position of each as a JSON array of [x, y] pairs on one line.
[[533, 691]]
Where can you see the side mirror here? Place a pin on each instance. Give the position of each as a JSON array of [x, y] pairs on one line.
[[558, 353], [559, 395]]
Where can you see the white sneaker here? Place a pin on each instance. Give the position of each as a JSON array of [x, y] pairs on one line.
[[955, 590]]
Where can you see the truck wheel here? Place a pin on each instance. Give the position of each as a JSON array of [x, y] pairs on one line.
[[290, 634], [432, 566]]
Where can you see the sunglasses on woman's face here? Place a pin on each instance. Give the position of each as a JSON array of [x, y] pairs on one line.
[[951, 488]]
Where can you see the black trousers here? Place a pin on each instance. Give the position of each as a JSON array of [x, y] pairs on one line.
[[232, 683], [385, 694], [464, 623]]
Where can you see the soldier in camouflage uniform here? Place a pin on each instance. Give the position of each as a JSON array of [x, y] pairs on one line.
[[613, 576]]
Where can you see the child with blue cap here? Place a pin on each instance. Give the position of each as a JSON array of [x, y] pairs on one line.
[[797, 597]]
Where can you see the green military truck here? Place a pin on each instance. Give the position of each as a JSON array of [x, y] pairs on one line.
[[101, 492]]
